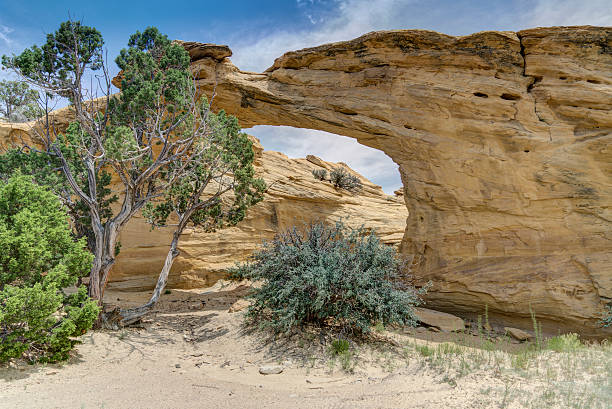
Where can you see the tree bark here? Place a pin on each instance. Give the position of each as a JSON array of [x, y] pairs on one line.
[[132, 315]]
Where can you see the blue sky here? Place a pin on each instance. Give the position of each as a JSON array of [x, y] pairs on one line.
[[258, 31]]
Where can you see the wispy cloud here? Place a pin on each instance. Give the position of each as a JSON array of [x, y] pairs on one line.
[[4, 34], [570, 13], [297, 143], [332, 21]]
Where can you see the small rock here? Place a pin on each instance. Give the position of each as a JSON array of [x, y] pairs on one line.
[[518, 334], [420, 329], [239, 305], [270, 369], [440, 320], [177, 365]]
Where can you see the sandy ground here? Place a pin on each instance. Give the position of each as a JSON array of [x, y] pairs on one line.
[[193, 353]]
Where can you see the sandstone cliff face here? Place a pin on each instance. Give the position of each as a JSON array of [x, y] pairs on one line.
[[294, 197], [503, 143]]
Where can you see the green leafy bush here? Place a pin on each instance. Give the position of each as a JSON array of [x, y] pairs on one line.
[[606, 321], [40, 260], [564, 343], [340, 345], [320, 174], [342, 179], [328, 276]]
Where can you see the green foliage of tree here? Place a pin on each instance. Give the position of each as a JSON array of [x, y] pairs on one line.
[[18, 102], [46, 170], [342, 179], [328, 276], [222, 164], [149, 137], [58, 65], [39, 261]]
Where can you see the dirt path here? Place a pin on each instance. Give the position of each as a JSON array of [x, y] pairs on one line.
[[194, 354]]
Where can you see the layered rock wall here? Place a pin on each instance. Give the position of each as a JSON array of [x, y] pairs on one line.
[[294, 197], [503, 143]]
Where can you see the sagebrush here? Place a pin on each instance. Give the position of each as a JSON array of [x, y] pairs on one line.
[[342, 179], [331, 276], [40, 260], [320, 174]]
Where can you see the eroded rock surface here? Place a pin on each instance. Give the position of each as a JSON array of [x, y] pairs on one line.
[[294, 197], [503, 143]]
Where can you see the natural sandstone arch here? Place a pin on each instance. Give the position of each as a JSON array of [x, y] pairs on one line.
[[503, 142]]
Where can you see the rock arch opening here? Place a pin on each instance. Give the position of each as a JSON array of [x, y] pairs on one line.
[[371, 163]]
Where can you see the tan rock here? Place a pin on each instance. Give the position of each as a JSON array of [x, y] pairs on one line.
[[294, 197], [440, 320], [271, 369], [239, 305], [518, 334]]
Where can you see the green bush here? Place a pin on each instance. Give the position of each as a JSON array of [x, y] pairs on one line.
[[564, 343], [339, 346], [320, 174], [606, 321], [39, 262], [328, 276], [342, 179]]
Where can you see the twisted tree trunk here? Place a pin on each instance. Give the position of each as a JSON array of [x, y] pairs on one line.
[[133, 315]]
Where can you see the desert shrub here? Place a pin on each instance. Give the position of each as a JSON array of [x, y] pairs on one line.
[[320, 174], [606, 321], [39, 261], [564, 343], [342, 179], [328, 276], [339, 346]]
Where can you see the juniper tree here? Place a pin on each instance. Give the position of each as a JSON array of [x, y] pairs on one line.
[[39, 260], [138, 136], [18, 102], [216, 187]]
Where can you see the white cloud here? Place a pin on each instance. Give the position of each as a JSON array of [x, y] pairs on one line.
[[297, 143], [346, 20], [4, 34], [570, 13]]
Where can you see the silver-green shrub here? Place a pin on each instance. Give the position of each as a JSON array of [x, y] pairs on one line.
[[328, 276], [320, 174], [342, 179]]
